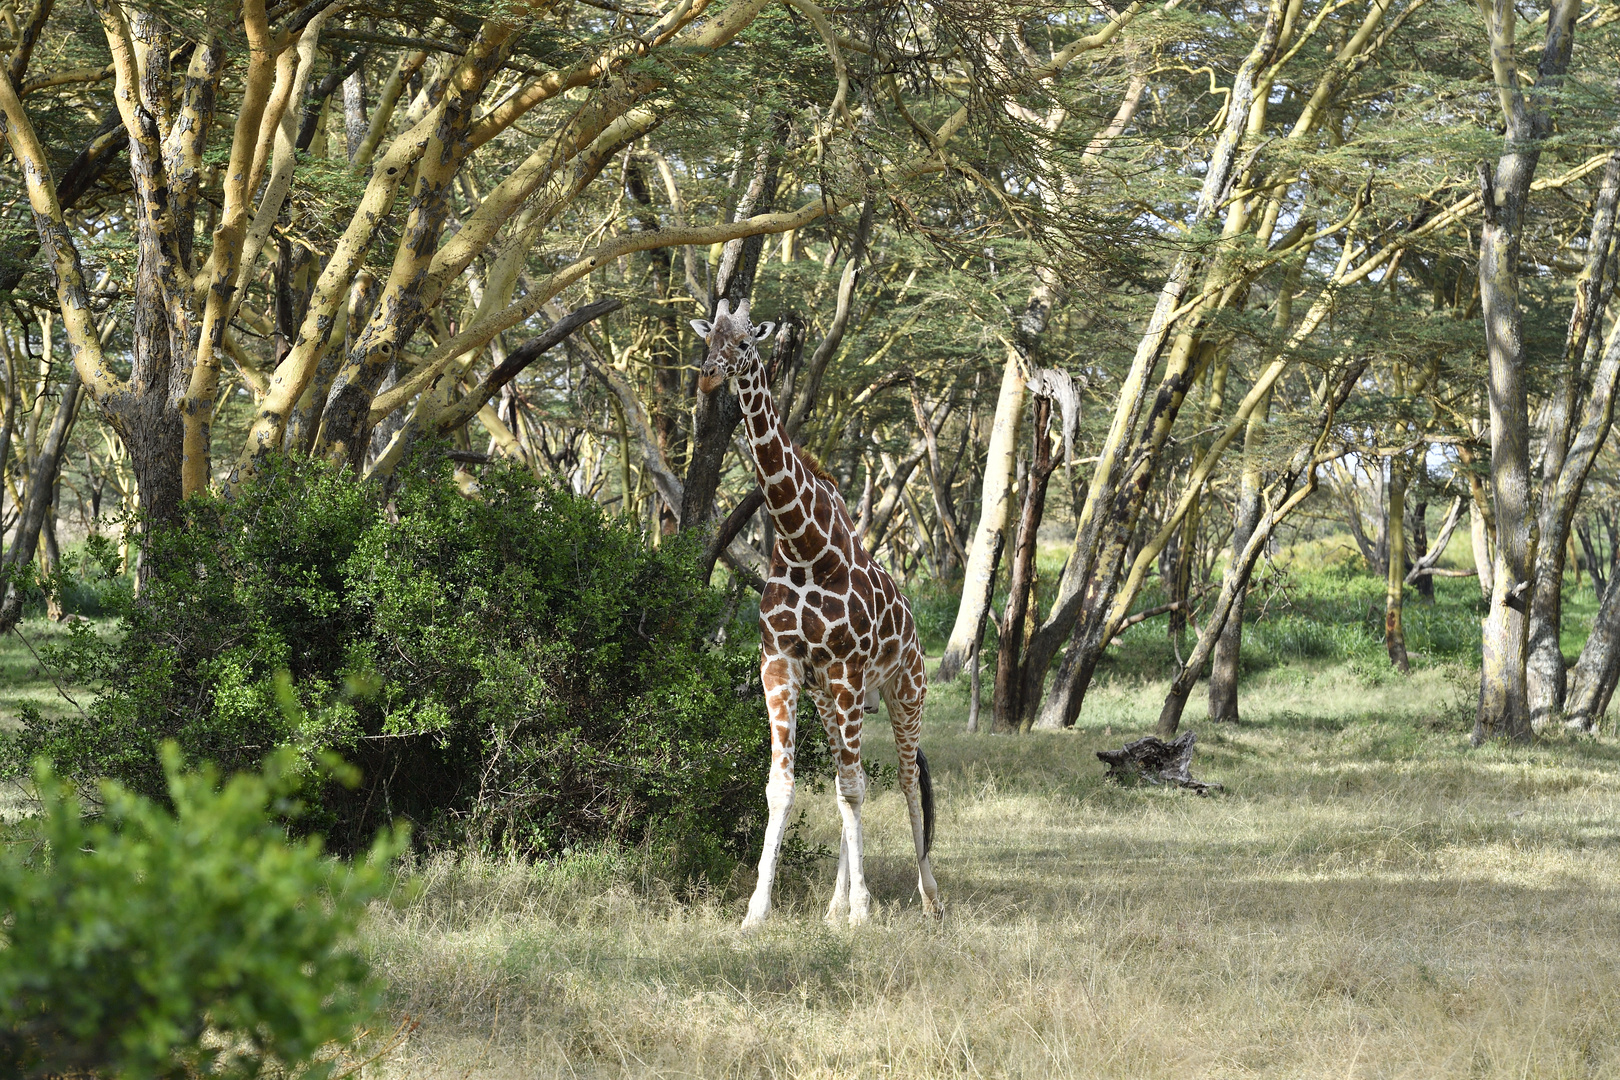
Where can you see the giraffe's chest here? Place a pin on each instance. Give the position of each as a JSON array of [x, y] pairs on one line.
[[803, 616]]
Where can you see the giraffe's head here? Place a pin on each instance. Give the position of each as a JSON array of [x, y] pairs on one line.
[[733, 344]]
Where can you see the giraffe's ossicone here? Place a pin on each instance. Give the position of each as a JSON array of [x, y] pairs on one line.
[[832, 623]]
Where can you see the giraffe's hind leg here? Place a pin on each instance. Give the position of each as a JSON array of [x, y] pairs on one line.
[[838, 906], [842, 714], [916, 786]]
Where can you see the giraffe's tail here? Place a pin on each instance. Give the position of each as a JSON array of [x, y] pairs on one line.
[[925, 784]]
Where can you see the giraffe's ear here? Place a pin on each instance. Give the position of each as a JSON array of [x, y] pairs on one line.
[[702, 326], [763, 330]]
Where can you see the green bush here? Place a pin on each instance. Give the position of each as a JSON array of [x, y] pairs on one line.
[[130, 938], [513, 670]]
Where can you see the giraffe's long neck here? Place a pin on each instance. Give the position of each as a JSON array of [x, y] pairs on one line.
[[791, 492]]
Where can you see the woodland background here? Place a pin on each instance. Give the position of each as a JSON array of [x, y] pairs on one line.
[[350, 405]]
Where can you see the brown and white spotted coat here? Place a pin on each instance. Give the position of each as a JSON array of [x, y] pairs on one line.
[[832, 624]]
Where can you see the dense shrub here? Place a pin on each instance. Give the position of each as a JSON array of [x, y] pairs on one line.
[[131, 937], [513, 669]]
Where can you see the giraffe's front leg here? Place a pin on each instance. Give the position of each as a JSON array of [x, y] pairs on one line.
[[838, 907], [827, 710], [851, 796], [781, 677]]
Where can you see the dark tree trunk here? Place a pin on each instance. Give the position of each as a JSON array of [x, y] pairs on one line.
[[50, 554], [42, 483], [1420, 548], [1594, 566], [717, 415], [305, 420], [976, 653], [1009, 670], [1395, 578], [1228, 653]]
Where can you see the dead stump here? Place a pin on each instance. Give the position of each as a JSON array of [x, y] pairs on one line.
[[1154, 761]]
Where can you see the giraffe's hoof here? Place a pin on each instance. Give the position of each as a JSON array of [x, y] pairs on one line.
[[933, 910], [859, 916], [757, 914], [836, 913]]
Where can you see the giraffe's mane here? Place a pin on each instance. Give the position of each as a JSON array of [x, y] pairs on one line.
[[813, 463]]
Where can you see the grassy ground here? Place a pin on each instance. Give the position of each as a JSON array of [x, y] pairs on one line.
[[1368, 897]]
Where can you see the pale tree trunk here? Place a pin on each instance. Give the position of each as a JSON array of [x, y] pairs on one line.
[[1481, 525], [1395, 576], [1081, 590], [1114, 500], [355, 123], [1592, 681], [1504, 707], [1223, 674], [1565, 464], [995, 508]]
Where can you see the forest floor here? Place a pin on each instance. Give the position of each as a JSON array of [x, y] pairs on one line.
[[1366, 897]]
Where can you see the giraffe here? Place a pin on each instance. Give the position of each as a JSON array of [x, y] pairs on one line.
[[832, 624]]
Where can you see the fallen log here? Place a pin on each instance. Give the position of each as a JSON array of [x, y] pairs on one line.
[[1154, 761]]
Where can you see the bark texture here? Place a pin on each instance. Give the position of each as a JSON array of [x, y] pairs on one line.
[[1584, 396], [1592, 681], [1153, 761], [41, 492], [1395, 575], [1020, 587], [1504, 707]]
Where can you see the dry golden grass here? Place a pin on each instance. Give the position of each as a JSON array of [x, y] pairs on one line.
[[1368, 898]]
